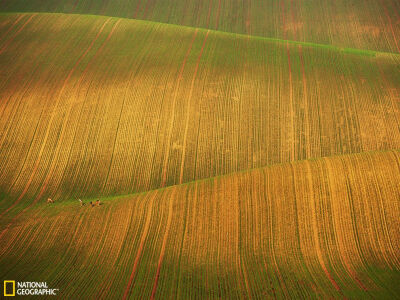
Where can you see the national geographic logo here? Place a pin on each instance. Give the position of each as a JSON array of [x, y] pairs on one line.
[[27, 288], [9, 288]]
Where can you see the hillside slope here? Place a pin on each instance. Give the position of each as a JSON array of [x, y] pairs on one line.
[[363, 24], [185, 120], [326, 228], [103, 106]]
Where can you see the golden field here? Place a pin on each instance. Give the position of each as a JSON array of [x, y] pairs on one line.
[[228, 165], [312, 229], [103, 113]]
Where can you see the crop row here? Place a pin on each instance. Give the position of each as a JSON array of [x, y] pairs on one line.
[[103, 106], [322, 228], [366, 24]]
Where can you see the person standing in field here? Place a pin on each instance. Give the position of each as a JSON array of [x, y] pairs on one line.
[[81, 202]]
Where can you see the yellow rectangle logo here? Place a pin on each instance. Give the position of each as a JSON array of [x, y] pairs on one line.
[[9, 283]]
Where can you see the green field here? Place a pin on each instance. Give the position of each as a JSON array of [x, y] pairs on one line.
[[366, 24], [248, 156]]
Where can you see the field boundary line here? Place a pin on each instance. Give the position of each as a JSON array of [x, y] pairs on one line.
[[264, 167], [346, 50], [250, 170]]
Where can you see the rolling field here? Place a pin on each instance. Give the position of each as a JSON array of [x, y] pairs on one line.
[[312, 229], [241, 149], [363, 24], [105, 113]]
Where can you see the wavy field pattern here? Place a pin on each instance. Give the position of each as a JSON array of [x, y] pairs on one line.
[[240, 149], [294, 230], [366, 24], [105, 113]]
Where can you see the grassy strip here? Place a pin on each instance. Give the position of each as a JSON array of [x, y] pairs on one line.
[[355, 51]]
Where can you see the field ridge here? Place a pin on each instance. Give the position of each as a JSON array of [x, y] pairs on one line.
[[349, 50], [222, 164], [302, 230], [239, 172], [266, 102], [368, 24]]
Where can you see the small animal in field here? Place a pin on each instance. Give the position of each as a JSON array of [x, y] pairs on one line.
[[49, 200], [81, 202]]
